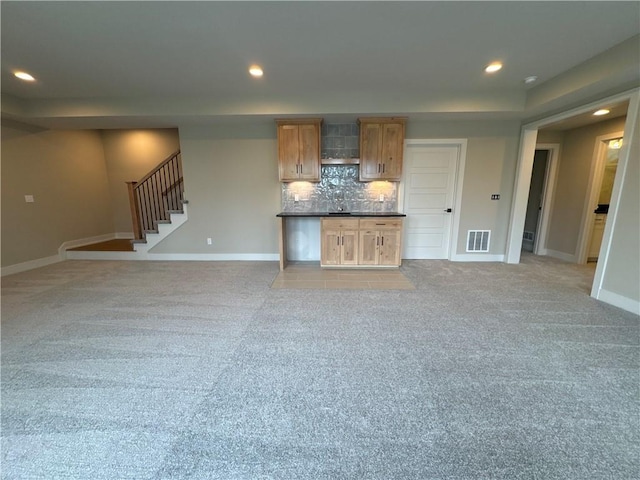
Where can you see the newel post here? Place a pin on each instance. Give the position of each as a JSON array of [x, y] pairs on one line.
[[135, 208]]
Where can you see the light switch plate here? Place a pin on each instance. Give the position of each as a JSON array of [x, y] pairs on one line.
[[29, 198]]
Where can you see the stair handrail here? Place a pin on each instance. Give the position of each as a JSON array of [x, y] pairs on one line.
[[156, 195]]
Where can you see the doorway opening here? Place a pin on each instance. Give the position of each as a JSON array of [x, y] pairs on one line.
[[608, 152], [629, 102], [543, 180]]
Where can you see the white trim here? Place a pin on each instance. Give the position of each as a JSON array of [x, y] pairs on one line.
[[164, 230], [548, 196], [197, 257], [474, 257], [619, 301], [461, 143], [216, 257], [125, 235], [566, 257], [596, 173], [520, 199], [30, 265]]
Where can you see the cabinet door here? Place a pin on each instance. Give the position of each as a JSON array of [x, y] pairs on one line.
[[368, 254], [331, 248], [391, 151], [288, 152], [389, 247], [370, 146], [349, 241], [309, 160]]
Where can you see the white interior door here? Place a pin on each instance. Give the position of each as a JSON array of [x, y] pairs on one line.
[[429, 193]]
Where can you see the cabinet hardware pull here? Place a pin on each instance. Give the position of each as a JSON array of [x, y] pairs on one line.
[[338, 239], [382, 241], [383, 168], [380, 223], [377, 241]]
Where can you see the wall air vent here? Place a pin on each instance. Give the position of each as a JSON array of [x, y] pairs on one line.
[[478, 240]]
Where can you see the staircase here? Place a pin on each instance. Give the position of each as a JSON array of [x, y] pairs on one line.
[[157, 209]]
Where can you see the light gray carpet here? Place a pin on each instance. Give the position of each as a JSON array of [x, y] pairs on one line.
[[195, 370]]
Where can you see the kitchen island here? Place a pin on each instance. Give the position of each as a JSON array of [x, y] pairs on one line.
[[351, 239]]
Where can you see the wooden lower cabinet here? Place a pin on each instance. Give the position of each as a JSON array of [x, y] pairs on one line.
[[380, 241], [339, 242], [361, 242]]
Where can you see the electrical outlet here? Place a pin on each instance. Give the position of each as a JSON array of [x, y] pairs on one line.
[[381, 198], [209, 241], [29, 198]]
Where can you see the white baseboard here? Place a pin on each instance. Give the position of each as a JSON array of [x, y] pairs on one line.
[[619, 301], [30, 265], [215, 257], [567, 257], [169, 257], [476, 257]]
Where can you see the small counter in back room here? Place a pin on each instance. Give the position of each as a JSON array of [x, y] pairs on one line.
[[309, 234]]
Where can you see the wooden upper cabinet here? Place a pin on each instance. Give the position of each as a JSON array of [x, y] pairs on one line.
[[381, 148], [299, 149]]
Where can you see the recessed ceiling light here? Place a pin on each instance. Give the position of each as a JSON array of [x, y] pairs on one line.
[[602, 111], [493, 67], [255, 71], [25, 76], [530, 79]]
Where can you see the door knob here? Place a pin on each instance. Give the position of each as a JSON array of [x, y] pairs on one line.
[[448, 210]]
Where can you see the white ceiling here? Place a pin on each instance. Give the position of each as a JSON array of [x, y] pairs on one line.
[[122, 63]]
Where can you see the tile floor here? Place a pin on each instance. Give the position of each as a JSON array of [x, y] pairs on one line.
[[314, 277]]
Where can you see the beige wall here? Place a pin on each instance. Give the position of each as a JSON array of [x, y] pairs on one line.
[[130, 155], [231, 183], [492, 150], [574, 166], [66, 173], [622, 273]]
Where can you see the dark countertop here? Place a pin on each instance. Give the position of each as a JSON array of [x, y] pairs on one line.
[[341, 214]]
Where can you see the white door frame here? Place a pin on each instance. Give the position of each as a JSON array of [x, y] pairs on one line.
[[593, 191], [461, 143], [548, 194], [528, 137]]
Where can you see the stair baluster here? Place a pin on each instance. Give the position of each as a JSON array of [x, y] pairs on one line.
[[153, 198]]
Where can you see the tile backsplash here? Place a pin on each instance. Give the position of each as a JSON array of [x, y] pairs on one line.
[[338, 189]]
